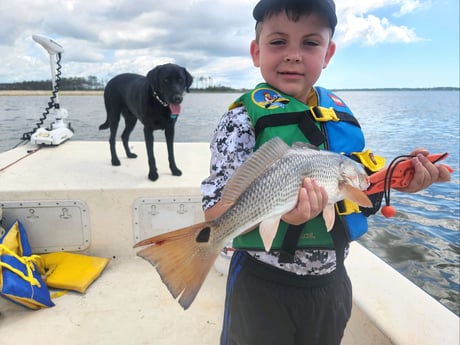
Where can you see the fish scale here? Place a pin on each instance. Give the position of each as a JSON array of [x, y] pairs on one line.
[[276, 191]]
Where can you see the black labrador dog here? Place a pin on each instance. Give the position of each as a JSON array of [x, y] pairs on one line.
[[154, 100]]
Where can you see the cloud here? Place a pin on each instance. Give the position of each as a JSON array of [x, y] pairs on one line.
[[371, 30], [209, 37], [359, 24], [410, 6], [122, 35]]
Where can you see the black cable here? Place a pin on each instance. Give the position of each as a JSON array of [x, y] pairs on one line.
[[51, 104], [389, 175], [390, 171]]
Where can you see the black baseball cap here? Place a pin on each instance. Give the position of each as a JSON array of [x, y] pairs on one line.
[[327, 8]]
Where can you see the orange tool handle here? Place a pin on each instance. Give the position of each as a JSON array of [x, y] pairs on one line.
[[401, 176]]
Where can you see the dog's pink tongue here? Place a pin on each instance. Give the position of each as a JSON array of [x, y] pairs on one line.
[[175, 109]]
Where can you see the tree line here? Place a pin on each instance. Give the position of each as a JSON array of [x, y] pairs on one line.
[[200, 84], [93, 83], [73, 83]]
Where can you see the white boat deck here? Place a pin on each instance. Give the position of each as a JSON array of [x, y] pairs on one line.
[[128, 304]]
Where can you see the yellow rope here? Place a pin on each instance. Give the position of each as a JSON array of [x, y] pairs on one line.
[[28, 261]]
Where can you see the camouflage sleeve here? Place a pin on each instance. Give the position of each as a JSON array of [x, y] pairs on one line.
[[232, 143]]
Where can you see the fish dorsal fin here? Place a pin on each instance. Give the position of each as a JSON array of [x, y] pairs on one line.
[[247, 173], [301, 145]]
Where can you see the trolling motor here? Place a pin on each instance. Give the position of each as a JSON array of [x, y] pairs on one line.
[[59, 131]]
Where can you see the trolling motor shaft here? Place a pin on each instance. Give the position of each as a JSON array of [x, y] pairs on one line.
[[58, 131]]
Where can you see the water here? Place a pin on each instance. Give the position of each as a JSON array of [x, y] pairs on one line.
[[422, 241], [19, 114]]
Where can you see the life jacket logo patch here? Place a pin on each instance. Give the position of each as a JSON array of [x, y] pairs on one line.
[[336, 100], [268, 99]]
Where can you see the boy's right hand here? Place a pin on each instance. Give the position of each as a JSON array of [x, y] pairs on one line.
[[311, 202]]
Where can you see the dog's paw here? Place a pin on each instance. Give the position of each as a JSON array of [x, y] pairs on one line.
[[176, 172], [116, 162], [131, 155], [153, 176]]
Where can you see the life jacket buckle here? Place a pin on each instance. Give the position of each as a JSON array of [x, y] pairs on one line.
[[322, 114], [346, 207], [369, 160]]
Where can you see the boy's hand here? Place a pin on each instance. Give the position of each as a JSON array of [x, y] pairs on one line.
[[425, 172], [311, 202]]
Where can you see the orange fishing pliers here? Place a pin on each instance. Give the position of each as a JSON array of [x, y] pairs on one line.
[[397, 175]]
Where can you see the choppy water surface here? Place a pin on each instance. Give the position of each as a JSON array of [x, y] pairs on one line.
[[422, 241]]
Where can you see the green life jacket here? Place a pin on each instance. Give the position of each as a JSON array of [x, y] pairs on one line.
[[330, 126]]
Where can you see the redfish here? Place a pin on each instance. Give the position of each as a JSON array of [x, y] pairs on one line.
[[263, 189]]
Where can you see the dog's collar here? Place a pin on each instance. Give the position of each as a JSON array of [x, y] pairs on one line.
[[163, 103]]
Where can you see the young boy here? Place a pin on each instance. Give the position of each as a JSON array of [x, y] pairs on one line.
[[299, 292]]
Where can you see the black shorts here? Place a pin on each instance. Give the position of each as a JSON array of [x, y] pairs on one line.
[[269, 306]]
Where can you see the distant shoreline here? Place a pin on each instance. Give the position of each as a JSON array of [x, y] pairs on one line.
[[101, 92], [48, 93]]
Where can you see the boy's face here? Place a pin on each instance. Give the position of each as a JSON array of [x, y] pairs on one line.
[[292, 54]]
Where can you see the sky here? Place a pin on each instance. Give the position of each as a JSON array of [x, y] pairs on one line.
[[380, 43]]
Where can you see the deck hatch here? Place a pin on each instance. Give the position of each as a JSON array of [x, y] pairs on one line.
[[51, 225], [154, 216]]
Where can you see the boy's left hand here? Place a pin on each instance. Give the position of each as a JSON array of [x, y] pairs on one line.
[[311, 202], [425, 172]]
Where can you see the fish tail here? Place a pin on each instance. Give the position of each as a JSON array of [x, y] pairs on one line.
[[182, 258]]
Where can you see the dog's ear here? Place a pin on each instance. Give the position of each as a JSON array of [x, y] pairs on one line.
[[188, 79], [153, 76]]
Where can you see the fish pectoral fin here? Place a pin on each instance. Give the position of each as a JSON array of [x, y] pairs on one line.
[[357, 196], [267, 230], [329, 216]]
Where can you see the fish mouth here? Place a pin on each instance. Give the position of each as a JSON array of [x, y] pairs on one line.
[[361, 182], [365, 183]]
